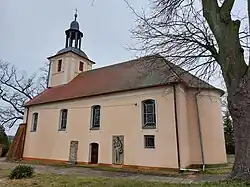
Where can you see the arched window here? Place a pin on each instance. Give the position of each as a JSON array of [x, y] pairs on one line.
[[149, 116], [34, 122], [63, 119], [95, 115]]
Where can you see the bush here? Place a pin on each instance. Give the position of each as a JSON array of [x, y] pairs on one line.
[[21, 171], [5, 151]]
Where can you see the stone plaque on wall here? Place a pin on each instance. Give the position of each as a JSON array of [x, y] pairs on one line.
[[73, 152], [118, 149]]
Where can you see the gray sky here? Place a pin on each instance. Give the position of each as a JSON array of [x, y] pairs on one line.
[[33, 30]]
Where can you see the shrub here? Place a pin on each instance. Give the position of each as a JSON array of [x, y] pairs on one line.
[[21, 171], [5, 150]]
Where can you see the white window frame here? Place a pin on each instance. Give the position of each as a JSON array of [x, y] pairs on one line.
[[92, 126], [144, 124]]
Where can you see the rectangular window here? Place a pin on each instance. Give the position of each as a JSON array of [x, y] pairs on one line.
[[59, 66], [95, 117], [81, 66], [63, 119], [34, 122], [149, 141]]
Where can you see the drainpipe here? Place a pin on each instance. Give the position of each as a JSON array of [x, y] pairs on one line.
[[200, 133], [177, 136], [176, 129]]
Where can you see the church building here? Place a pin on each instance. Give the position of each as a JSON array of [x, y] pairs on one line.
[[142, 113]]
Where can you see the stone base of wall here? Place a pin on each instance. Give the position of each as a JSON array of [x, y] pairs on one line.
[[135, 167]]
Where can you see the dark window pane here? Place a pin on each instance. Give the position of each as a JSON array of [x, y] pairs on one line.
[[64, 114], [150, 118], [81, 66], [63, 125], [35, 119], [97, 111], [150, 101], [59, 65], [149, 113], [150, 108], [149, 141], [96, 116]]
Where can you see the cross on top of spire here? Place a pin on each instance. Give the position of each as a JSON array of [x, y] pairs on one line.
[[75, 14]]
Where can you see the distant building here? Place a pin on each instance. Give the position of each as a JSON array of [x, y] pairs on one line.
[[145, 112]]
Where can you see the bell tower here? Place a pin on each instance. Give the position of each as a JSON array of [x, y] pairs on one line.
[[70, 61], [74, 35]]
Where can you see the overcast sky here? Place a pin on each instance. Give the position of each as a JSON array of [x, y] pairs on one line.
[[32, 30]]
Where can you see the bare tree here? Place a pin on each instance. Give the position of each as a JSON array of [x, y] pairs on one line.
[[203, 36], [16, 87]]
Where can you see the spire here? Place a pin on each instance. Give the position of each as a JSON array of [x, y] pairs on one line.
[[75, 14], [73, 34]]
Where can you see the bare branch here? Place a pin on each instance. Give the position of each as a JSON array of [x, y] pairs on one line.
[[15, 89]]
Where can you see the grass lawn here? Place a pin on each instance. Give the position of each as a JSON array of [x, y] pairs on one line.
[[48, 180], [52, 180], [223, 169]]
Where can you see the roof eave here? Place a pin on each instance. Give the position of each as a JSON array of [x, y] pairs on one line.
[[72, 52], [93, 95]]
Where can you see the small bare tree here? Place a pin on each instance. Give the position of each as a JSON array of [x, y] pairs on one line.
[[203, 36], [16, 87]]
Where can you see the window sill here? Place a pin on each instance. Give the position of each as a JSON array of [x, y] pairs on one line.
[[32, 131], [149, 147], [61, 129], [149, 127], [94, 128]]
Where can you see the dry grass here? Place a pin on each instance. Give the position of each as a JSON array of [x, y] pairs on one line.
[[53, 180], [223, 169], [49, 180]]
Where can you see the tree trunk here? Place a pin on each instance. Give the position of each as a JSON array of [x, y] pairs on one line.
[[239, 107]]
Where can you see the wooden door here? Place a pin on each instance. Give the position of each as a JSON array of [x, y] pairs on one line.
[[94, 153]]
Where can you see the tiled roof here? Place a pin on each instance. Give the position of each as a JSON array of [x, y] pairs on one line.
[[149, 71]]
